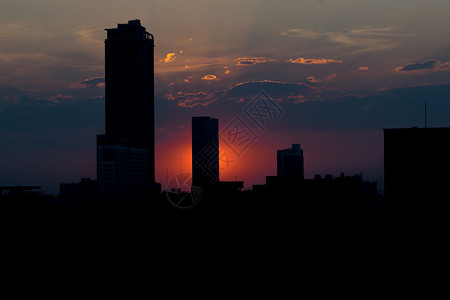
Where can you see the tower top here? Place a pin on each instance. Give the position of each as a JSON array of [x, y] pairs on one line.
[[132, 30]]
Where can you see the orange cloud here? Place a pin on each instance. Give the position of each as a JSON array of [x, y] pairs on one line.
[[251, 61], [313, 61], [227, 72], [210, 77], [331, 77], [313, 79], [364, 68], [170, 57]]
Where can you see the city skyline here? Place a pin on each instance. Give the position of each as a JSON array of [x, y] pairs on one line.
[[338, 79]]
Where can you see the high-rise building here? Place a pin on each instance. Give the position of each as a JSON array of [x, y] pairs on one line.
[[290, 162], [126, 153], [205, 151], [417, 166]]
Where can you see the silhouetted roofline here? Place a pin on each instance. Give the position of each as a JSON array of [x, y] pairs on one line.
[[418, 128], [122, 31]]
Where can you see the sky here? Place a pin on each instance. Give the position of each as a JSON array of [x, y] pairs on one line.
[[336, 72]]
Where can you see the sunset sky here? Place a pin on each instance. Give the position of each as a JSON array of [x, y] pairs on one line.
[[339, 70]]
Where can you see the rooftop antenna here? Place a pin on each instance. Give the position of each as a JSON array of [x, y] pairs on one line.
[[425, 114]]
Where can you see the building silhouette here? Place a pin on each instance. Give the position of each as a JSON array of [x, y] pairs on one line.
[[205, 151], [290, 190], [126, 153], [290, 162], [84, 190], [18, 190], [417, 167]]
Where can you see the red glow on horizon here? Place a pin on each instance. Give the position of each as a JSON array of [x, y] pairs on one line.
[[324, 153]]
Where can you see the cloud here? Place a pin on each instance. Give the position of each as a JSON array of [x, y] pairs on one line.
[[302, 33], [58, 98], [170, 57], [210, 77], [364, 68], [191, 99], [89, 82], [313, 61], [251, 61], [90, 36], [331, 77], [313, 79], [427, 65], [359, 40], [246, 63], [276, 89], [245, 91], [298, 99], [33, 113]]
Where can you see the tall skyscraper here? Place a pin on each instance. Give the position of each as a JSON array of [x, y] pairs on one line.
[[290, 162], [417, 167], [126, 153], [205, 151]]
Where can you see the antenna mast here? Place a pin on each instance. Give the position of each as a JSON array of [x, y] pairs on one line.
[[425, 114]]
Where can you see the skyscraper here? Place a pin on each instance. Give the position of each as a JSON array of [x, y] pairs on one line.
[[205, 151], [290, 162], [126, 153]]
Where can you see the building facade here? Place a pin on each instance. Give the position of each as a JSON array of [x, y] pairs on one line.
[[126, 153], [84, 190], [205, 151], [417, 166], [290, 162]]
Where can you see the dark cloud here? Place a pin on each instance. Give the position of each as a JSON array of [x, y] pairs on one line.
[[276, 89], [90, 82], [243, 91], [393, 108], [427, 65], [31, 113], [182, 99], [246, 62]]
